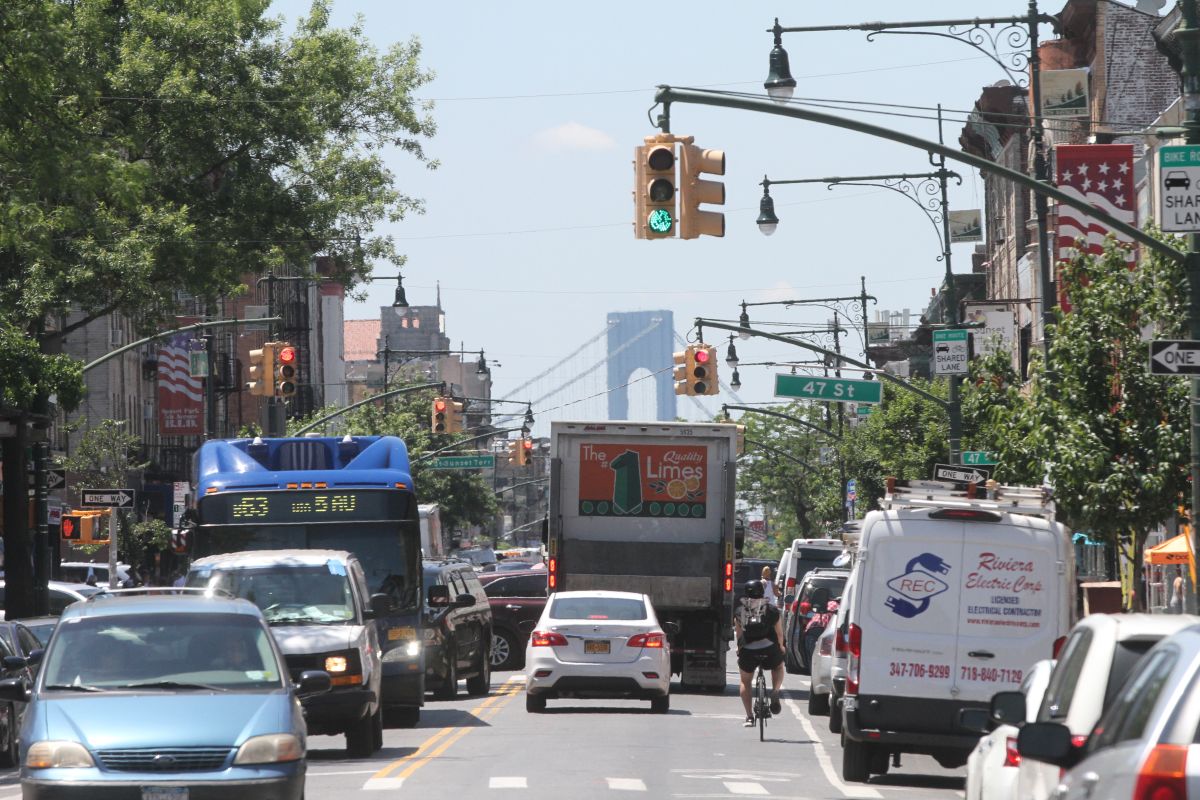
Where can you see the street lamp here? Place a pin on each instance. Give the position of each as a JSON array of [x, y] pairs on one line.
[[780, 84], [744, 323], [731, 356], [736, 383], [401, 300], [767, 221], [481, 367]]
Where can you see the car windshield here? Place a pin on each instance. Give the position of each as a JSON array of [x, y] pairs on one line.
[[172, 651], [597, 608], [288, 594]]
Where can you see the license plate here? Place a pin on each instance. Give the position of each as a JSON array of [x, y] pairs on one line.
[[164, 793], [597, 646]]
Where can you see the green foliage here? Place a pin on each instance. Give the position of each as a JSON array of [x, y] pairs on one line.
[[466, 499], [105, 457]]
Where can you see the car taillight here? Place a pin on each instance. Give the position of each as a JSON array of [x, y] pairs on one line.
[[648, 640], [547, 639], [1011, 757], [1058, 643], [552, 573], [728, 576], [854, 645], [839, 642], [1163, 775]]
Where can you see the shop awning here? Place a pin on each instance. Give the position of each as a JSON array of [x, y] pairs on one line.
[[1175, 550]]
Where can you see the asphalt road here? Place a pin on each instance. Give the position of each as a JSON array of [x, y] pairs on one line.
[[491, 747]]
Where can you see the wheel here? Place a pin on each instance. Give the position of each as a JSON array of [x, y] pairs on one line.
[[506, 651], [377, 730], [449, 689], [878, 761], [835, 717], [534, 704], [479, 685], [818, 704], [404, 717], [855, 759], [660, 705], [360, 738], [9, 743], [762, 725]]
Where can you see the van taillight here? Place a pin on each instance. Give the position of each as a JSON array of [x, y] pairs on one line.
[[854, 645], [1163, 775], [547, 639], [1058, 643], [970, 514], [728, 576], [791, 584], [1012, 758], [552, 573]]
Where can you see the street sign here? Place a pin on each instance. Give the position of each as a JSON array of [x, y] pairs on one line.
[[978, 457], [960, 474], [55, 479], [463, 462], [106, 498], [951, 352], [198, 364], [838, 390], [1179, 188], [1174, 357], [852, 490]]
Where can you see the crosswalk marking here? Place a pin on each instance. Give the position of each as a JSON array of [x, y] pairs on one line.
[[626, 784], [745, 787], [507, 783]]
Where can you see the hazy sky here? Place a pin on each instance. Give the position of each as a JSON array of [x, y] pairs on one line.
[[539, 106]]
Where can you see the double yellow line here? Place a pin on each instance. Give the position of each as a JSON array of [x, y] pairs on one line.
[[441, 741]]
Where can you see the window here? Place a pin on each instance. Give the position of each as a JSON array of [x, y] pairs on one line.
[[1130, 712], [1064, 679], [597, 608], [517, 586]]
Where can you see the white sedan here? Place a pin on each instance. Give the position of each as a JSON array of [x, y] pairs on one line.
[[598, 644], [990, 773]]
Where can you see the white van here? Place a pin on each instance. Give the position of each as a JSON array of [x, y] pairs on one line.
[[957, 598], [803, 555]]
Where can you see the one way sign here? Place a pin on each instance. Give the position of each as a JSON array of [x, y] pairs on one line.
[[106, 498], [960, 474], [1174, 357]]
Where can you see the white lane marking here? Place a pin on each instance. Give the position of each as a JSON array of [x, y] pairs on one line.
[[507, 783], [741, 787], [717, 716], [382, 784], [342, 772], [826, 764], [626, 784]]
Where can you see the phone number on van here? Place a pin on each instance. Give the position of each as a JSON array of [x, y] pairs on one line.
[[990, 674], [906, 669]]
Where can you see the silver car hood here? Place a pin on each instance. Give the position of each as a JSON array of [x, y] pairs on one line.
[[300, 640]]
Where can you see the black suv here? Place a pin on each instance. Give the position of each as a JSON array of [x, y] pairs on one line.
[[458, 629], [833, 581]]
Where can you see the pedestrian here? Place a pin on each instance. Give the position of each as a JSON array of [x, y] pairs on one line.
[[180, 579], [1175, 604], [770, 590]]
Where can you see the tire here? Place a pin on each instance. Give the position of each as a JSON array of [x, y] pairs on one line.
[[506, 651], [818, 704], [855, 759], [360, 738], [10, 744], [878, 761], [481, 683], [377, 731], [449, 688], [534, 704], [660, 705], [404, 717], [835, 718]]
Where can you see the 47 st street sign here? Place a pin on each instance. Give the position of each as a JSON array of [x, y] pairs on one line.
[[1174, 357], [838, 390]]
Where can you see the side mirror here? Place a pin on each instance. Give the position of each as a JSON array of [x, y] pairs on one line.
[[312, 682], [1008, 708], [35, 656], [381, 604], [975, 720], [438, 596], [670, 628], [464, 601], [1049, 742], [14, 662], [16, 689]]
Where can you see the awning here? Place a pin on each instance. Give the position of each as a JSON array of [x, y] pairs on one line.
[[1175, 550]]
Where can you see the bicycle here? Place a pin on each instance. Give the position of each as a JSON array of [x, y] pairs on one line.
[[762, 706]]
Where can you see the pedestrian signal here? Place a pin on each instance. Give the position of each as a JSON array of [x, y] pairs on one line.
[[71, 527]]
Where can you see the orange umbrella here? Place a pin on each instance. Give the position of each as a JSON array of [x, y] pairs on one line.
[[1175, 550]]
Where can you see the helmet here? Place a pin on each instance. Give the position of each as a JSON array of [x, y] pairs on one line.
[[754, 589]]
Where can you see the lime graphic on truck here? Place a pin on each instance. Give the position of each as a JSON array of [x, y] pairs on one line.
[[644, 480], [917, 586]]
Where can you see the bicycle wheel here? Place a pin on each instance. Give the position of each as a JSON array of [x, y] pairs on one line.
[[760, 705]]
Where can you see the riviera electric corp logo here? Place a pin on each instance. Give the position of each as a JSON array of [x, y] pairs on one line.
[[917, 586]]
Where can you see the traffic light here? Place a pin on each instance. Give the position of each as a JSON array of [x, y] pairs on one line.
[[285, 369], [514, 451], [454, 417], [262, 370], [654, 189], [694, 190], [682, 359], [71, 527], [438, 419], [702, 370], [526, 452]]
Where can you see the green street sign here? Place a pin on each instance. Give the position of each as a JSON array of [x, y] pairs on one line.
[[837, 390], [463, 462], [978, 458]]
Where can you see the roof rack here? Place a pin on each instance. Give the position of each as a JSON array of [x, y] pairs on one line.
[[1035, 501], [161, 590]]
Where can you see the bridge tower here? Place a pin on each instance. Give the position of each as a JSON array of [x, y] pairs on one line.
[[640, 339]]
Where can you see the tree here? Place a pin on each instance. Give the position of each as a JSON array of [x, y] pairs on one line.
[[1111, 439]]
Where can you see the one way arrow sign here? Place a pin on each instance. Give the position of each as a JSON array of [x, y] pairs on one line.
[[106, 498], [1174, 357], [960, 474]]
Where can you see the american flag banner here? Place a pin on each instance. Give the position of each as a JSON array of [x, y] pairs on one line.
[[1102, 175], [180, 396]]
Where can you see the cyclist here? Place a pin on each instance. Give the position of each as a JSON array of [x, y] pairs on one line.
[[759, 636]]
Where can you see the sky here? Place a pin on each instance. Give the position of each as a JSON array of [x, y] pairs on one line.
[[539, 106]]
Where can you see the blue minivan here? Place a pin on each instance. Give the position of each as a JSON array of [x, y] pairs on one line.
[[168, 693]]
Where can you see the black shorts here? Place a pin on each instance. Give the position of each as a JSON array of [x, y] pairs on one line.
[[767, 657]]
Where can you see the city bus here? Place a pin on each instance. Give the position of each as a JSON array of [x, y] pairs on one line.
[[351, 493]]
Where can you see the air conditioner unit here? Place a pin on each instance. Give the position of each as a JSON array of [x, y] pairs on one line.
[[116, 337]]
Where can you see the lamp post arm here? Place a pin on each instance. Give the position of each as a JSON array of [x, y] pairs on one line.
[[489, 434], [670, 94], [519, 485], [210, 324], [908, 387], [781, 454], [402, 390], [789, 417]]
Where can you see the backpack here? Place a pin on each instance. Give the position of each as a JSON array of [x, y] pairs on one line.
[[757, 627]]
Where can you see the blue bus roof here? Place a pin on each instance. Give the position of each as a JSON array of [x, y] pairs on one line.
[[257, 464]]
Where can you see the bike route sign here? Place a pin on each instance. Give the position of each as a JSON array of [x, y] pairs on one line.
[[1179, 185]]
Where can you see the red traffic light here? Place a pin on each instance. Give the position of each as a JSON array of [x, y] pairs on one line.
[[701, 356], [286, 355], [439, 406]]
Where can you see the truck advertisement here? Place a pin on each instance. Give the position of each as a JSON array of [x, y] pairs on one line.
[[643, 480]]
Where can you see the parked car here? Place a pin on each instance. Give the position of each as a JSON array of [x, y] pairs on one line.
[[41, 628], [163, 695], [598, 644], [841, 654], [78, 572], [458, 629], [801, 610], [318, 607], [1099, 654], [991, 767], [62, 594], [1143, 746], [517, 600], [820, 685], [17, 644]]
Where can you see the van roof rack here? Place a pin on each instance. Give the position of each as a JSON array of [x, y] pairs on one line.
[[1034, 501], [161, 590]]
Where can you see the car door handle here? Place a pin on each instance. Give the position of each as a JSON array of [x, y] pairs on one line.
[[511, 607], [980, 654]]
